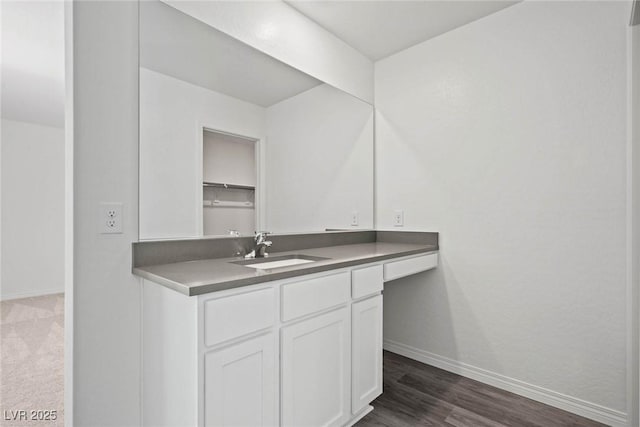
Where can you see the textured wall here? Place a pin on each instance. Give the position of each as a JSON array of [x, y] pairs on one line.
[[32, 209], [106, 296], [508, 136], [634, 176]]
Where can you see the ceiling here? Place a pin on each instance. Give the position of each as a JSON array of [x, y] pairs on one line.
[[33, 61], [380, 28]]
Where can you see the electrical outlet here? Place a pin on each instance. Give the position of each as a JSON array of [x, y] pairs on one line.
[[354, 218], [398, 218], [110, 218]]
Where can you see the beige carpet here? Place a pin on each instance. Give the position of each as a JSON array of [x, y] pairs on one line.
[[32, 366]]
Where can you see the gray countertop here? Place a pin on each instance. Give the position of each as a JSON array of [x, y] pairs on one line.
[[209, 275]]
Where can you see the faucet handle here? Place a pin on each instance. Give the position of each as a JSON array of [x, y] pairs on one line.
[[261, 235]]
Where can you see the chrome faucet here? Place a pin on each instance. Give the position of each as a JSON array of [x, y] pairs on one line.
[[260, 245]]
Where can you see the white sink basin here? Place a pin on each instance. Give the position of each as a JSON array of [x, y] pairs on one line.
[[278, 261], [276, 264]]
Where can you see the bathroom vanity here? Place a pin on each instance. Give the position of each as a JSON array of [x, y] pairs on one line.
[[298, 345], [294, 339]]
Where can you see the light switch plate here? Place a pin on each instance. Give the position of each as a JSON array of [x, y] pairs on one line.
[[398, 218], [110, 218]]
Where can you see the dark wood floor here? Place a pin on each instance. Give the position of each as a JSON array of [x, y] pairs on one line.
[[421, 395]]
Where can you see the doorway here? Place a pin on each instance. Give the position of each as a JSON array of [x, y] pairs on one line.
[[229, 184]]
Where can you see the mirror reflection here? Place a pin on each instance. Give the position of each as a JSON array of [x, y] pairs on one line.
[[233, 140]]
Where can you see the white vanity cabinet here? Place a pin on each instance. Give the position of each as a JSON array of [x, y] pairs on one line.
[[366, 353], [305, 351], [240, 384], [210, 360], [366, 341], [315, 371], [315, 343]]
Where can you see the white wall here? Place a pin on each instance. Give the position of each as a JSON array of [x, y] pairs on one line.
[[508, 136], [32, 66], [32, 210], [277, 29], [106, 296], [635, 221], [319, 162], [172, 115]]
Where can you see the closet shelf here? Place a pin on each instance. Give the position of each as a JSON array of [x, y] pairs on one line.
[[228, 204], [231, 186]]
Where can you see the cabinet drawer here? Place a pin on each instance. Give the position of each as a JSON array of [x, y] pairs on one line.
[[396, 269], [238, 315], [309, 296], [366, 281]]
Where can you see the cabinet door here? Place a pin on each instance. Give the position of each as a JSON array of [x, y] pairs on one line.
[[366, 362], [316, 377], [241, 384]]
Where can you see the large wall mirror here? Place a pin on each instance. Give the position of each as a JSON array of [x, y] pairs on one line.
[[233, 140]]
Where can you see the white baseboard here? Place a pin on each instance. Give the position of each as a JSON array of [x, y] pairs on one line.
[[580, 407], [39, 293]]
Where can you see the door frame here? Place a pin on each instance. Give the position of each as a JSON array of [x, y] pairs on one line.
[[259, 153]]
